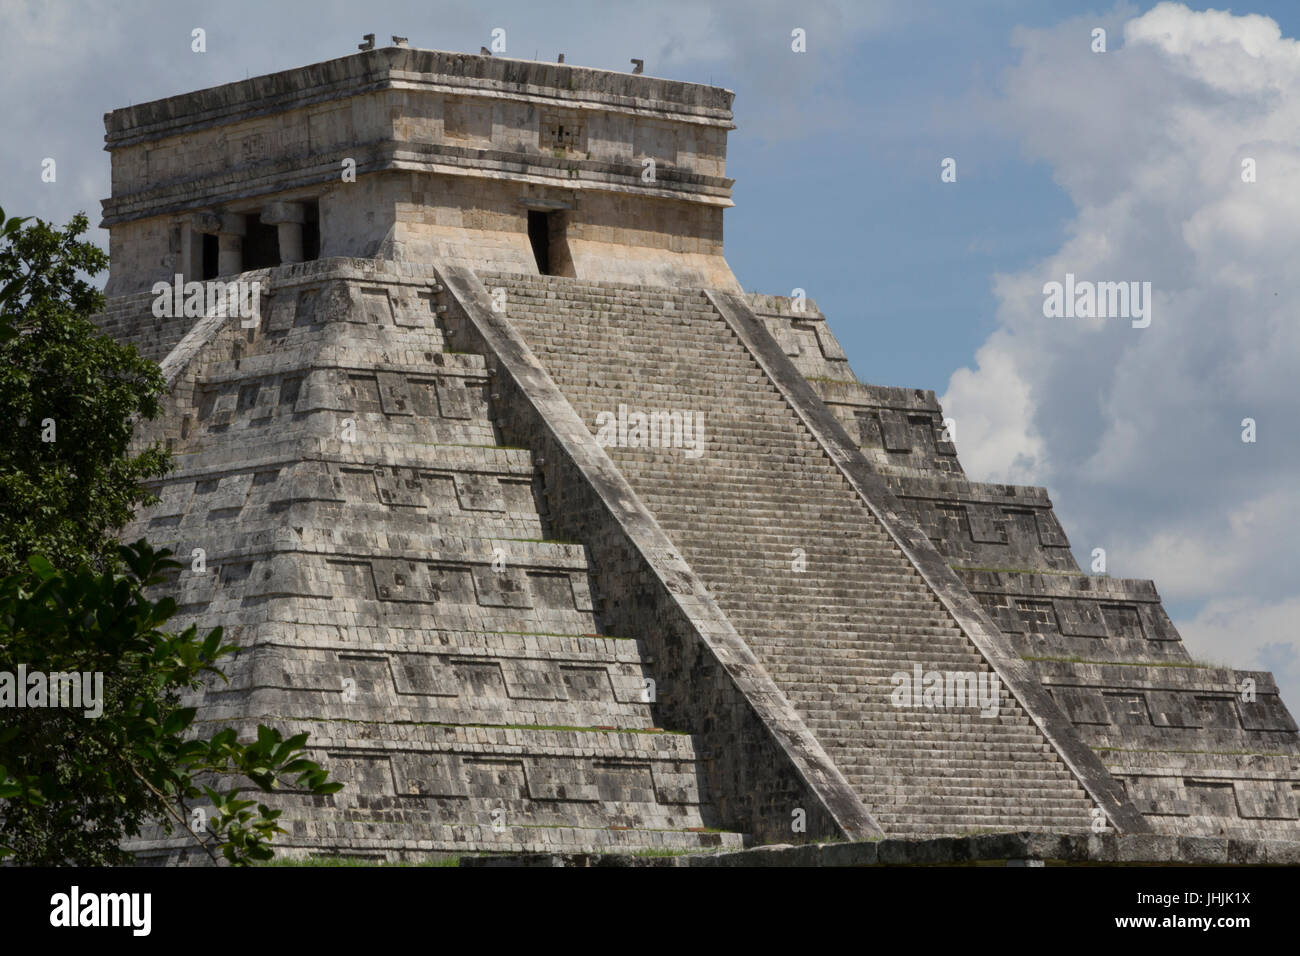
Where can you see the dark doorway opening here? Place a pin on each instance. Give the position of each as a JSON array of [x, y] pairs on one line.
[[211, 256], [311, 231], [539, 234], [261, 244]]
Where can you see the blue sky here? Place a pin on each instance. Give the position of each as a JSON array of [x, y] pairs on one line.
[[900, 261], [1066, 160]]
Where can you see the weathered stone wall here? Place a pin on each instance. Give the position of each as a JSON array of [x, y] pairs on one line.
[[482, 225], [804, 336]]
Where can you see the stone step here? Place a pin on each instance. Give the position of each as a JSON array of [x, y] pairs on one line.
[[831, 636]]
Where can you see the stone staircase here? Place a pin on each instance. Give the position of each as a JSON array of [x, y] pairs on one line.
[[764, 500], [395, 595], [1196, 753]]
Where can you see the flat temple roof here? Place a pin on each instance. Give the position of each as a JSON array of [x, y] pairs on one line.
[[390, 67]]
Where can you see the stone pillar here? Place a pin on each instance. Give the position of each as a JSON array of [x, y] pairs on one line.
[[230, 245], [191, 258], [287, 217], [230, 254]]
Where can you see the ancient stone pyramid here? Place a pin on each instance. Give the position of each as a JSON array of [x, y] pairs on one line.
[[552, 538]]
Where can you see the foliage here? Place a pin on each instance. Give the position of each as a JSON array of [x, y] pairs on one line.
[[69, 398], [73, 786], [72, 600]]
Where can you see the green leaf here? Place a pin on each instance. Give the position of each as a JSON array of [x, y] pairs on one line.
[[41, 566], [178, 720]]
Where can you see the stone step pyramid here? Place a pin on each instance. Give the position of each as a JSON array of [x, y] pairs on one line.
[[413, 486]]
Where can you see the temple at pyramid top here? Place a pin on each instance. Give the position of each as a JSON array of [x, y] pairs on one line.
[[422, 156]]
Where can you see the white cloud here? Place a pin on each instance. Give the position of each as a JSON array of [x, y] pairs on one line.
[[1138, 431], [1249, 635], [994, 431]]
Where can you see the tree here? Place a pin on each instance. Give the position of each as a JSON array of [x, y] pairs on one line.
[[74, 783], [69, 397], [76, 780]]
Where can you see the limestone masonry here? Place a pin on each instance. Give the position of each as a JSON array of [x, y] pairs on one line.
[[504, 634]]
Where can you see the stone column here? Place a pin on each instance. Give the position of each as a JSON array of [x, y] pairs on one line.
[[191, 255], [287, 217], [230, 254], [230, 245]]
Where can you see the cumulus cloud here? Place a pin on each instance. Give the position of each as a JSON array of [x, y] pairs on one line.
[[1138, 431]]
